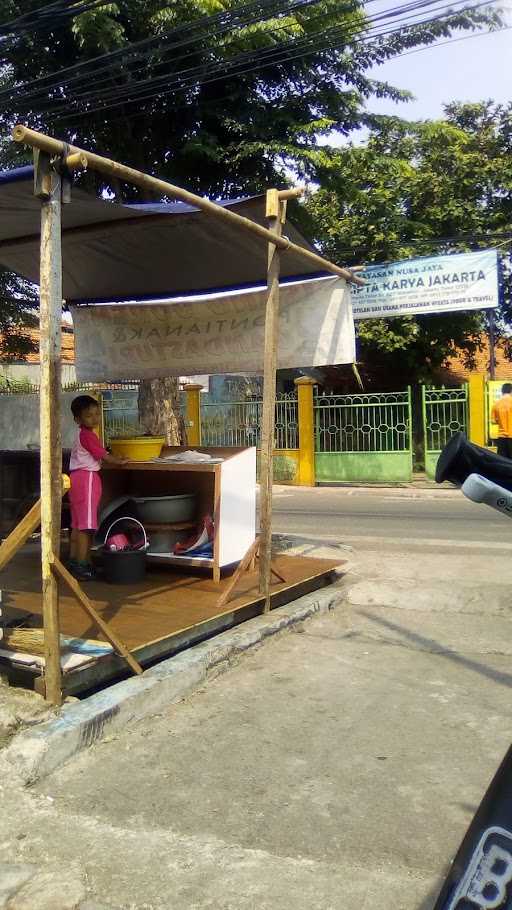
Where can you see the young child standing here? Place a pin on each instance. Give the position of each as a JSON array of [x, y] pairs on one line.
[[87, 456]]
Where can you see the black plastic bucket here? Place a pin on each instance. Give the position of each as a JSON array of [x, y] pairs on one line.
[[124, 567]]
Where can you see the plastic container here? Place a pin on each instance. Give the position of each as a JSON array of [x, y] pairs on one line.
[[166, 509], [138, 448], [165, 541], [124, 567]]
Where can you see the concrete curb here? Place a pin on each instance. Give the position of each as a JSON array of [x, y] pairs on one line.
[[385, 491], [38, 751]]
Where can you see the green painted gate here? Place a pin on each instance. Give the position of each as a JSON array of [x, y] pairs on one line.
[[364, 438], [445, 412]]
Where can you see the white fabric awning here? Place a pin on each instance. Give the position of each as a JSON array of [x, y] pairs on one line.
[[214, 333]]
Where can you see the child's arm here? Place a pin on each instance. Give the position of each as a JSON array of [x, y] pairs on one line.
[[91, 443], [113, 459]]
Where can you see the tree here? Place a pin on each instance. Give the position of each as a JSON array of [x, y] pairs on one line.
[[195, 104], [396, 196], [236, 133], [159, 410], [18, 314]]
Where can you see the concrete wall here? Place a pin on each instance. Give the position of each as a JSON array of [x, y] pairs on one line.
[[30, 372], [19, 421]]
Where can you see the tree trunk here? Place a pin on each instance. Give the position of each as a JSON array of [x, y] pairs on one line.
[[159, 410]]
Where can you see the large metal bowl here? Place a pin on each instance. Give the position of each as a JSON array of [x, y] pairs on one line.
[[166, 509]]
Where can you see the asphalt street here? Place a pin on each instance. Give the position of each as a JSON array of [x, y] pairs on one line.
[[342, 514], [338, 765]]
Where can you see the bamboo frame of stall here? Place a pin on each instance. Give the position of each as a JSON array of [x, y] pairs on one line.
[[53, 160]]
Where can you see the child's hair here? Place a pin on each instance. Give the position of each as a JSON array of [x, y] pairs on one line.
[[81, 403]]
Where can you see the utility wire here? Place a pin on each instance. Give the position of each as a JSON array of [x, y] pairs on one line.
[[47, 17], [222, 22], [171, 50], [213, 24], [418, 50], [436, 241], [257, 54], [220, 98], [241, 63], [236, 67], [130, 54]]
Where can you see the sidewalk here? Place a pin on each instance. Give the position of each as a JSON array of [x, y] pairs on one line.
[[420, 488], [338, 765]]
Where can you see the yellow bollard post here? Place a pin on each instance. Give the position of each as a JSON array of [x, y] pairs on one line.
[[193, 414], [477, 409], [306, 431]]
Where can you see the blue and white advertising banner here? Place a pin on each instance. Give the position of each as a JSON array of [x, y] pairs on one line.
[[437, 284]]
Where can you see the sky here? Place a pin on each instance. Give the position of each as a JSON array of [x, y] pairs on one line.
[[470, 70]]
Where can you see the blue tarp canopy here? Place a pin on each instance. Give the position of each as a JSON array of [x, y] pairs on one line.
[[112, 251]]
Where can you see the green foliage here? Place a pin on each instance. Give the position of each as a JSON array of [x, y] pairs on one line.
[[415, 182], [238, 134], [18, 303]]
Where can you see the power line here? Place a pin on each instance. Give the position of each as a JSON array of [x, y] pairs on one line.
[[436, 241], [46, 17], [262, 53], [238, 66], [223, 23], [243, 63], [214, 24], [419, 50], [220, 98]]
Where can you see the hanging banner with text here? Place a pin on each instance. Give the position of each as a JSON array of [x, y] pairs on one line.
[[215, 333], [437, 284]]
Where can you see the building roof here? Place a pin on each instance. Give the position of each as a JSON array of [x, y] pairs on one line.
[[456, 371], [68, 345]]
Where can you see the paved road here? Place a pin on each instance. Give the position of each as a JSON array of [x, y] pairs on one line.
[[338, 766], [335, 768], [342, 514]]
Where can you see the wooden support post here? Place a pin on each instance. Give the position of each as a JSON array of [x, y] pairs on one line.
[[20, 534], [242, 567], [273, 212], [48, 188], [246, 564], [84, 602]]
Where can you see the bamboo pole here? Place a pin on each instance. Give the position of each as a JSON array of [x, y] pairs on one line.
[[50, 291], [153, 184], [275, 209], [86, 604]]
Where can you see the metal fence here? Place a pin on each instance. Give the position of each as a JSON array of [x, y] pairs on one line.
[[25, 387], [238, 423], [120, 411], [363, 438], [378, 422], [445, 412]]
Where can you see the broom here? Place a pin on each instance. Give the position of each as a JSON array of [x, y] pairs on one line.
[[31, 641]]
